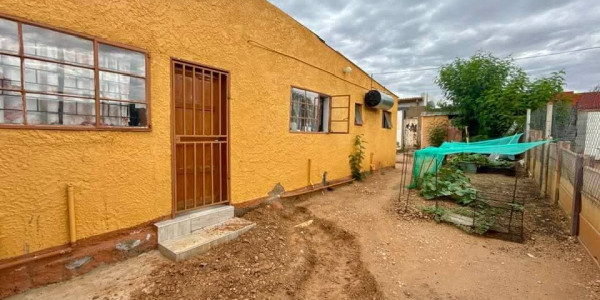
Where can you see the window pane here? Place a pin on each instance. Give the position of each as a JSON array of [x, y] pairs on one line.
[[10, 72], [294, 124], [56, 78], [297, 99], [11, 108], [57, 46], [115, 113], [358, 114], [122, 87], [9, 36], [59, 110], [307, 111], [387, 119], [312, 98], [122, 60]]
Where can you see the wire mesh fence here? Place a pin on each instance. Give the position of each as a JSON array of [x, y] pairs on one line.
[[567, 165], [591, 183], [538, 119], [568, 172], [564, 123], [588, 133]]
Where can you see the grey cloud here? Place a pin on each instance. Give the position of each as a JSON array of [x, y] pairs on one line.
[[391, 35]]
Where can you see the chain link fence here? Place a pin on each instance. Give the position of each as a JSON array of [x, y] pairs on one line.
[[563, 126], [588, 133], [568, 169]]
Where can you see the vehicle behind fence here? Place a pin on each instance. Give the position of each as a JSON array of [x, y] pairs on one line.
[[566, 170]]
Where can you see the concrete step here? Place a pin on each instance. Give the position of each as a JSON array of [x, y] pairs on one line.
[[200, 241], [187, 223]]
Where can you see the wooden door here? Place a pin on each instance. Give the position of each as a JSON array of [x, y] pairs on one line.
[[200, 131]]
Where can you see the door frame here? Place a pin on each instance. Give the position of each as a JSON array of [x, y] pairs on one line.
[[172, 61]]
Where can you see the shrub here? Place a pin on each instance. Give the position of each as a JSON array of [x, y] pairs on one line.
[[357, 156], [437, 133]]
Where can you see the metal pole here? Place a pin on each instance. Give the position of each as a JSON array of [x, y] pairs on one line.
[[527, 138], [436, 185], [514, 198], [404, 167], [411, 179]]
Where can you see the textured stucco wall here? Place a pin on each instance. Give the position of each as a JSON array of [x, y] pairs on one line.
[[123, 179], [427, 123]]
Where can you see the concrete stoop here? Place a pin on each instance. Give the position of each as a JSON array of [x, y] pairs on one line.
[[199, 231]]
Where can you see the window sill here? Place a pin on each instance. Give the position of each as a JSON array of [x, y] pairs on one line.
[[309, 132], [74, 128]]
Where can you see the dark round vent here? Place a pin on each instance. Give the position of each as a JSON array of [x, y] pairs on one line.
[[378, 100], [372, 98]]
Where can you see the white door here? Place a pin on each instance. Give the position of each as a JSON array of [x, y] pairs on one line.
[[410, 132]]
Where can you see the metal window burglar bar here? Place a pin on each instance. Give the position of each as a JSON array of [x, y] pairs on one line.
[[128, 98]]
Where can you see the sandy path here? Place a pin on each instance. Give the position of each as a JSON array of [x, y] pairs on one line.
[[416, 258]]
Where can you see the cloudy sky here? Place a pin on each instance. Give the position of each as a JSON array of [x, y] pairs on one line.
[[405, 36]]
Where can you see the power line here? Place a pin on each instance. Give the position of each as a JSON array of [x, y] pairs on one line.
[[557, 53], [518, 58]]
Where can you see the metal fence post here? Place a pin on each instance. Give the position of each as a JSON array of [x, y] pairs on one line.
[[527, 138], [577, 186]]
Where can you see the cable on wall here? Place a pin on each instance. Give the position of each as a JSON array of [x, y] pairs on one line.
[[259, 45]]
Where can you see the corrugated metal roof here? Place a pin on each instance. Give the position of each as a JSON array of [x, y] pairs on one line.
[[589, 100]]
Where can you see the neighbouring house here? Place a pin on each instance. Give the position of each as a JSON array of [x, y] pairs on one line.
[[430, 119], [587, 140], [117, 115], [409, 110]]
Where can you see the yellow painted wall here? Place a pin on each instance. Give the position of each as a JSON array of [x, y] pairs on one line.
[[123, 179]]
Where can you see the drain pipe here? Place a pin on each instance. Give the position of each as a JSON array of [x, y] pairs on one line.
[[72, 236], [71, 204], [309, 167]]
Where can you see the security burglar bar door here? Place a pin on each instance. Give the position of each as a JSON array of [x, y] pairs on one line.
[[200, 136]]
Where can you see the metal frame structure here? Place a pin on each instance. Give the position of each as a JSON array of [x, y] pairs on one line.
[[511, 206], [190, 138], [96, 69]]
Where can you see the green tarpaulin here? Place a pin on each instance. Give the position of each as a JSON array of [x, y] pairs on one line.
[[428, 160]]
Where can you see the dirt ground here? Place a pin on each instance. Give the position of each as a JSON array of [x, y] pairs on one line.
[[361, 244]]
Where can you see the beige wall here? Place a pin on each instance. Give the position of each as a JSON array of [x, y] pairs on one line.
[[428, 122]]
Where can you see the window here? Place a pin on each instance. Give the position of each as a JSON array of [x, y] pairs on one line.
[[386, 121], [358, 114], [53, 79], [309, 111]]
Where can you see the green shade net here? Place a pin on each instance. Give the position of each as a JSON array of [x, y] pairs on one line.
[[513, 139], [430, 159]]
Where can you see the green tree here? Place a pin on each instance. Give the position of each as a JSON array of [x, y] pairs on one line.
[[491, 94]]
